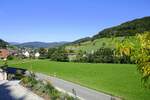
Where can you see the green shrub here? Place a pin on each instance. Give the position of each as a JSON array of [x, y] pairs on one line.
[[29, 82], [44, 89], [18, 76], [10, 57], [67, 97], [25, 80]]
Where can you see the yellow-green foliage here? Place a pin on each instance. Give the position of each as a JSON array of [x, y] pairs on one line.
[[143, 56], [141, 53]]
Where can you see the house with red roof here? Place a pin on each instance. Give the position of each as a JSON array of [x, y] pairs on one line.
[[4, 53]]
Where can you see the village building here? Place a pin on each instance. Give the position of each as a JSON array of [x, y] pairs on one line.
[[4, 53], [72, 56], [37, 54], [26, 54]]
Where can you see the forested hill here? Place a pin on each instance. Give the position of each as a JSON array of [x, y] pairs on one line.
[[129, 28], [3, 44]]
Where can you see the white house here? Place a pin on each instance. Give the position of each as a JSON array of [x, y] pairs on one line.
[[37, 55], [26, 54]]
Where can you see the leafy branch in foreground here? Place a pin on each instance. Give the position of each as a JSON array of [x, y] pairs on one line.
[[143, 57], [140, 51]]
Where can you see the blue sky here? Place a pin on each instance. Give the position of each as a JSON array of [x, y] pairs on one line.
[[64, 20]]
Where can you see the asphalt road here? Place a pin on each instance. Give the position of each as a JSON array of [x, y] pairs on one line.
[[82, 92]]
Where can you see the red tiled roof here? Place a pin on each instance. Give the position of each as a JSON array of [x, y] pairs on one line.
[[4, 53]]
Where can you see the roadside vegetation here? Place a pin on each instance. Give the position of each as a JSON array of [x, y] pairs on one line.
[[44, 89]]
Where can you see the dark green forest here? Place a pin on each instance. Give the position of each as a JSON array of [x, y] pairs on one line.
[[129, 28], [3, 44]]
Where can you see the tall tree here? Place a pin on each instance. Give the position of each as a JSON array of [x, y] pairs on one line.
[[140, 52], [143, 57], [43, 53], [124, 49], [3, 44]]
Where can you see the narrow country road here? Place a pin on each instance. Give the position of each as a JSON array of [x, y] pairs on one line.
[[83, 92], [11, 90]]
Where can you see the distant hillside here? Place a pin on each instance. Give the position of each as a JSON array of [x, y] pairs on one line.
[[129, 28], [14, 43], [3, 43], [90, 46], [81, 40], [102, 39], [40, 44]]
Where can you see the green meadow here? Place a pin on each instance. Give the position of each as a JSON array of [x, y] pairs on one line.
[[89, 46], [122, 80]]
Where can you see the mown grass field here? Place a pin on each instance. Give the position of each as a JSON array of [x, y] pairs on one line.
[[121, 80]]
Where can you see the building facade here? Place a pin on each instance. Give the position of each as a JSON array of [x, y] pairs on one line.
[[4, 53]]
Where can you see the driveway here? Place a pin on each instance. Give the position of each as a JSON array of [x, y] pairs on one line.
[[11, 90], [83, 92]]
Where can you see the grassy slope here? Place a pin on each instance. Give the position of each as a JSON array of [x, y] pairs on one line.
[[119, 80], [96, 44]]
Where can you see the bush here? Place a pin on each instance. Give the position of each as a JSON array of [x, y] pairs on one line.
[[10, 57], [18, 76], [25, 80], [42, 57], [67, 97], [103, 55]]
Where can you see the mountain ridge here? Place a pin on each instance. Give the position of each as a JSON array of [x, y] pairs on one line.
[[38, 44]]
